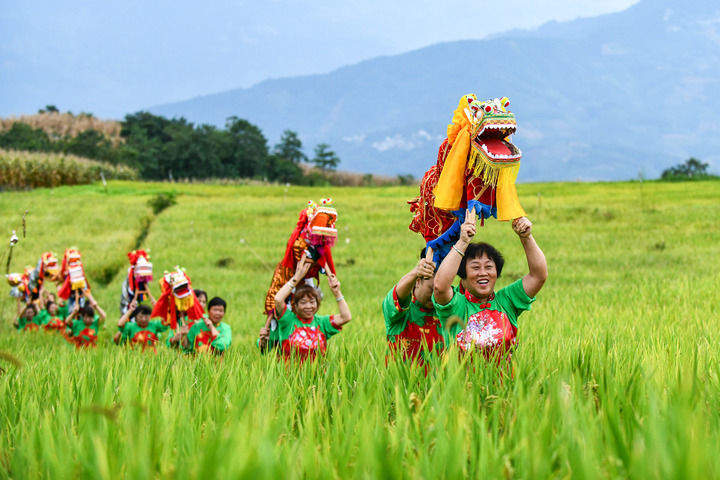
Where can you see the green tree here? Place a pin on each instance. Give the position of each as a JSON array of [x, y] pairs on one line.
[[692, 168], [249, 147], [22, 136], [325, 159], [290, 148]]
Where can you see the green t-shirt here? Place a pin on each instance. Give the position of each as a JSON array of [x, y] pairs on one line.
[[136, 334], [84, 333], [63, 311], [199, 337], [410, 327], [304, 338], [34, 323], [509, 302]]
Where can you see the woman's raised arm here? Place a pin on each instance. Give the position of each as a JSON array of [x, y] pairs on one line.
[[442, 287], [537, 265]]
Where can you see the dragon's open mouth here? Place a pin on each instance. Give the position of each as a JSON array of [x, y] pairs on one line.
[[181, 291], [492, 139]]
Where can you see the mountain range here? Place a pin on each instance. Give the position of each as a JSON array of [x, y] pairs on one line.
[[603, 98]]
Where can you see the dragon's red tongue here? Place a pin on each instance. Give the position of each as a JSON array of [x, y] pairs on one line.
[[496, 146]]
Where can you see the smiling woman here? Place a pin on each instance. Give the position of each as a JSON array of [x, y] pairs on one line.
[[488, 320]]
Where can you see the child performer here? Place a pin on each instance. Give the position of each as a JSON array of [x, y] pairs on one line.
[[301, 332]]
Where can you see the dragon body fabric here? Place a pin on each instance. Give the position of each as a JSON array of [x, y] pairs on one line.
[[28, 285], [139, 275], [315, 234], [476, 169]]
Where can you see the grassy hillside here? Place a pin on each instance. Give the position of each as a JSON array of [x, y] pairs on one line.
[[617, 372]]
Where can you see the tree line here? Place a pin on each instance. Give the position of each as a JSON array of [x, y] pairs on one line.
[[161, 148]]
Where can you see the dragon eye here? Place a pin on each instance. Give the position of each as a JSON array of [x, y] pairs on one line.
[[488, 108]]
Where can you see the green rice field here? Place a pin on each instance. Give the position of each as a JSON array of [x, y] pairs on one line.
[[617, 373]]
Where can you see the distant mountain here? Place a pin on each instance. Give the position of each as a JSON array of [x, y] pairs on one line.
[[600, 98]]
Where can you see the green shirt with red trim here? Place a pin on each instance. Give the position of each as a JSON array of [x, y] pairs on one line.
[[146, 336], [34, 323], [411, 329], [200, 338], [483, 324], [84, 334], [50, 322], [304, 338]]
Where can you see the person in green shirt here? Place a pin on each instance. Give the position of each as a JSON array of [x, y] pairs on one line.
[[303, 333], [140, 331], [411, 324], [27, 317], [473, 315], [83, 324], [50, 318], [209, 333]]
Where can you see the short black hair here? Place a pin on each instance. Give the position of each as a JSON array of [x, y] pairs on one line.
[[477, 250], [199, 292], [48, 303], [217, 301], [86, 311], [143, 310], [32, 307]]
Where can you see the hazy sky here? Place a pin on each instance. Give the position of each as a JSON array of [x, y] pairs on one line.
[[112, 57]]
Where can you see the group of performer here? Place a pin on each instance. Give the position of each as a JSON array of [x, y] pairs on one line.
[[424, 313], [72, 311]]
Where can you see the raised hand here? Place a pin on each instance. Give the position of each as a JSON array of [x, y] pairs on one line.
[[302, 268], [426, 267], [333, 283], [522, 226], [468, 228]]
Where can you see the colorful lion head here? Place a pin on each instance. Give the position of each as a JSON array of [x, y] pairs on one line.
[[320, 229]]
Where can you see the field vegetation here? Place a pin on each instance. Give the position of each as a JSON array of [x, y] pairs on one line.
[[617, 373], [20, 169]]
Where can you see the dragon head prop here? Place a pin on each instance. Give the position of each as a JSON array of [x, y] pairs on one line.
[[476, 169], [141, 268], [48, 266], [73, 273], [320, 229], [177, 298], [19, 283], [491, 148]]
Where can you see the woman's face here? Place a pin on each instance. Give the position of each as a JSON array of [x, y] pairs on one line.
[[52, 309], [480, 276], [203, 302], [306, 307], [29, 313]]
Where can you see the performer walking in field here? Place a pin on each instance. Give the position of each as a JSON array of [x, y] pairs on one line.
[[411, 324], [488, 319], [301, 332], [210, 333], [314, 236], [84, 323], [27, 317], [141, 331]]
